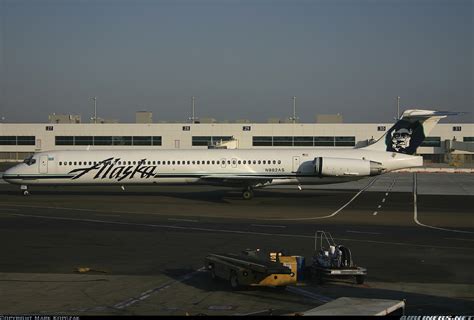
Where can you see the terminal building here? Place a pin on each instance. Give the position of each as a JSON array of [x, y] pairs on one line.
[[448, 143]]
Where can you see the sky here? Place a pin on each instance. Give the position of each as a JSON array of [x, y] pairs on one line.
[[240, 59]]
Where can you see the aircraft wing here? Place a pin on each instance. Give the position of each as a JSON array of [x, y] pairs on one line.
[[246, 180]]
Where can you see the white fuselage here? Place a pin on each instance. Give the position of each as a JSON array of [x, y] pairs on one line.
[[208, 166]]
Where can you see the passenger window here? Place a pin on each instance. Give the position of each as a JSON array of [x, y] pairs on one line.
[[75, 163], [194, 162], [274, 162], [213, 162], [218, 162], [245, 162], [264, 162], [90, 163], [208, 162], [254, 162], [198, 162], [60, 163], [228, 161], [188, 162], [179, 162], [234, 162], [279, 161], [259, 161], [239, 162], [149, 162]]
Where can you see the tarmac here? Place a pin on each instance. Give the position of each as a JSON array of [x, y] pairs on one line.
[[145, 246]]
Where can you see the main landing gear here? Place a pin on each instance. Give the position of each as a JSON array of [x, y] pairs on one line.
[[247, 194], [24, 190]]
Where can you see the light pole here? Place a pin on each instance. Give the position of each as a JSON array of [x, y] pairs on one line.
[[294, 118], [193, 117], [398, 108], [95, 108]]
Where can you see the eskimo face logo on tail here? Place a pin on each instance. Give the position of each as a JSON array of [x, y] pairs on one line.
[[401, 139], [113, 169], [405, 137]]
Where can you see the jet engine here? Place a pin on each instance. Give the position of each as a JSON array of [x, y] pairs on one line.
[[336, 167]]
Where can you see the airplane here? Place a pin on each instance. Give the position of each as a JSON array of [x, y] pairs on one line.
[[240, 168]]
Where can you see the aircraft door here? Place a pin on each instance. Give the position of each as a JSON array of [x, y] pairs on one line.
[[43, 164], [223, 162], [296, 164]]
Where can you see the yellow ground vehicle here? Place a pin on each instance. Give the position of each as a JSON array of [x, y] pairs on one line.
[[253, 268]]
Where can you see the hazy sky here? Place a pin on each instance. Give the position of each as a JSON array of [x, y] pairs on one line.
[[241, 59]]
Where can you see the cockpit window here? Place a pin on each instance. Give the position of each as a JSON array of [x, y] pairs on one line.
[[29, 161]]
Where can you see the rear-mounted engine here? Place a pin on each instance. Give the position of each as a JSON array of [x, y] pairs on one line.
[[335, 167]]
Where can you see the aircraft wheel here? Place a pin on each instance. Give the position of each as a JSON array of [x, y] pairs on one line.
[[247, 194]]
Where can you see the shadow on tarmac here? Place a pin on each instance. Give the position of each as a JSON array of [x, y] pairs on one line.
[[416, 303]]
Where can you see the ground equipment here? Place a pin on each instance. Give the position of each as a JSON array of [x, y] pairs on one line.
[[253, 268], [333, 260]]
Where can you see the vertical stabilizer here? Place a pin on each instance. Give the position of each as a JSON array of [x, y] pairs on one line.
[[407, 134]]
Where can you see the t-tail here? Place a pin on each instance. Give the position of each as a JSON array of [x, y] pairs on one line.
[[408, 133]]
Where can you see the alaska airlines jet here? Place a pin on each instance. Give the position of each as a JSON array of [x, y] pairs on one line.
[[241, 168]]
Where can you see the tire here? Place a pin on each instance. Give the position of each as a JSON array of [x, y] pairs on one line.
[[247, 194], [234, 281], [360, 279]]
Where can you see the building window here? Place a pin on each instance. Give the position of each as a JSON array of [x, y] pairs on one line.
[[209, 140], [303, 141], [324, 141], [83, 141], [282, 141], [8, 140], [345, 141], [103, 141], [246, 128], [431, 142], [49, 128], [457, 128], [64, 141], [121, 141], [156, 140], [262, 141], [141, 141], [201, 141], [381, 128], [25, 140], [186, 128]]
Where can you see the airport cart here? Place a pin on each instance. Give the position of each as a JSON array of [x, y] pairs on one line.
[[253, 268], [333, 260]]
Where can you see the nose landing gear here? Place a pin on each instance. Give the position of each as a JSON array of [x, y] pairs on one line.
[[247, 194], [24, 190]]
